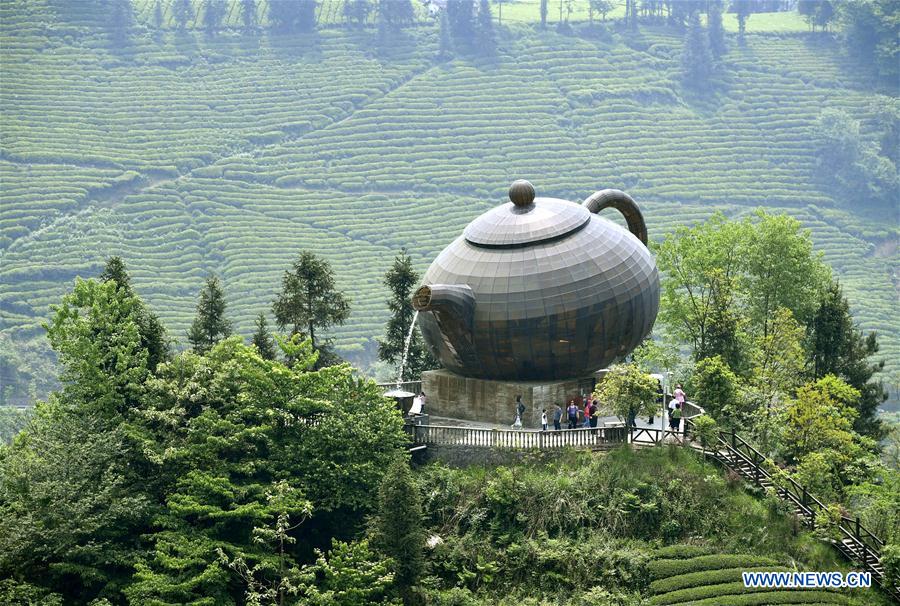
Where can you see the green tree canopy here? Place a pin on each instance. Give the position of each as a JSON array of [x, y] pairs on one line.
[[210, 326], [262, 339], [153, 333], [309, 298], [628, 391], [398, 532], [838, 347], [401, 279]]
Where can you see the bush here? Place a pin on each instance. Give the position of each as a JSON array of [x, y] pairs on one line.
[[660, 569], [706, 430], [675, 552], [771, 598], [704, 577]]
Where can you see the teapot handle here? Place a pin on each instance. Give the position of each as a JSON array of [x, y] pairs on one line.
[[623, 203]]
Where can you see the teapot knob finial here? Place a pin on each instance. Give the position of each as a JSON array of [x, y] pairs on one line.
[[521, 193]]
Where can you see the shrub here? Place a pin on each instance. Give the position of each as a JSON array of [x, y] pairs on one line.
[[681, 551], [666, 568]]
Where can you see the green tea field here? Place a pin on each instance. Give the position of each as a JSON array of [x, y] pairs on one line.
[[188, 154]]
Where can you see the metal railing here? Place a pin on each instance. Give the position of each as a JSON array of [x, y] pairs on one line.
[[855, 541], [442, 435]]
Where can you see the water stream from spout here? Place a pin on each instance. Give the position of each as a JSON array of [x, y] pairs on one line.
[[412, 327]]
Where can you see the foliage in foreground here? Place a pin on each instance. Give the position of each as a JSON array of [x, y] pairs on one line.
[[207, 480]]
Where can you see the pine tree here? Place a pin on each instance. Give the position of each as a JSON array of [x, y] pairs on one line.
[[716, 29], [401, 279], [398, 531], [210, 326], [395, 13], [461, 14], [357, 11], [742, 8], [213, 13], [158, 15], [696, 59], [445, 43], [485, 27], [262, 339], [121, 18], [309, 299], [115, 270], [306, 15], [248, 14], [836, 346], [182, 12], [153, 334]]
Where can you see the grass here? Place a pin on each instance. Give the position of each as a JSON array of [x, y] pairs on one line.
[[188, 154]]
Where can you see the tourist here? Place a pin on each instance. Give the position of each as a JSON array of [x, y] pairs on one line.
[[573, 414], [422, 400], [679, 395], [544, 419], [631, 421], [675, 419], [660, 400], [520, 408], [557, 418], [587, 412], [595, 412], [416, 408]]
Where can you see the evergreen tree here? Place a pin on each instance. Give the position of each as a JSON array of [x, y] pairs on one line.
[[291, 15], [306, 15], [461, 14], [401, 279], [395, 13], [485, 27], [121, 18], [115, 271], [158, 15], [152, 332], [182, 13], [445, 43], [543, 13], [398, 531], [357, 11], [213, 13], [715, 29], [742, 9], [838, 347], [248, 14], [210, 326], [696, 59], [308, 298], [262, 339], [282, 15]]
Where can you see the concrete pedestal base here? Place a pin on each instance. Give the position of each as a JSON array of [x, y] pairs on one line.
[[450, 395]]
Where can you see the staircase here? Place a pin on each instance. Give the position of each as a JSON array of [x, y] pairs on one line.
[[855, 542]]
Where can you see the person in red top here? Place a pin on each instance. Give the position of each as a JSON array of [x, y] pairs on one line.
[[587, 412]]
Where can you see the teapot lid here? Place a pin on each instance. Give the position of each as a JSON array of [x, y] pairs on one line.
[[526, 220]]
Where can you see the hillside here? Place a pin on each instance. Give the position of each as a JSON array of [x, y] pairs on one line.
[[188, 154]]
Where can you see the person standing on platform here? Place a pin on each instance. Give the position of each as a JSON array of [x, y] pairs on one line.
[[675, 419], [544, 419], [587, 412], [557, 418], [520, 409], [573, 414], [594, 411]]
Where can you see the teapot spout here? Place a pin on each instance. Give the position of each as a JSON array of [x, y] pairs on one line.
[[453, 309]]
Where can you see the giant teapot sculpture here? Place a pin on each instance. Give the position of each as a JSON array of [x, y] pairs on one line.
[[541, 289]]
